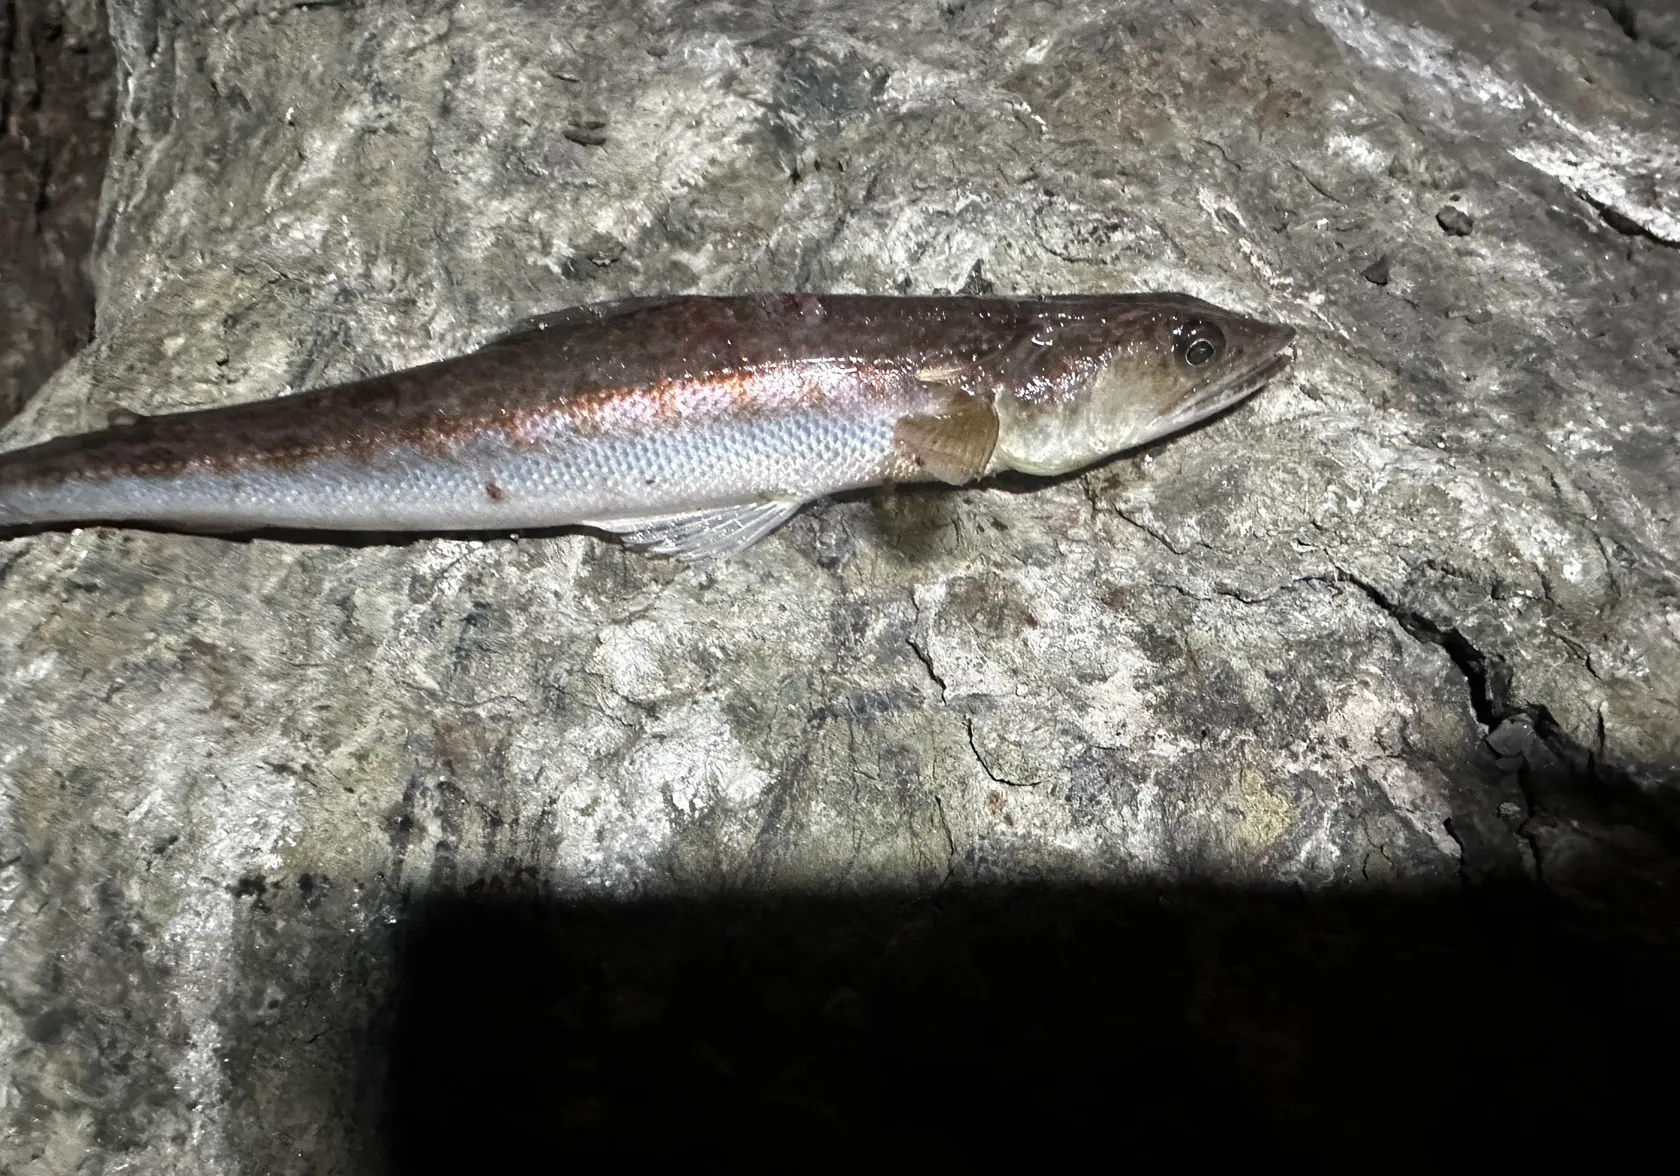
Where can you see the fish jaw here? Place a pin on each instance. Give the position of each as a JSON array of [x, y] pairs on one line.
[[1131, 384], [1228, 391]]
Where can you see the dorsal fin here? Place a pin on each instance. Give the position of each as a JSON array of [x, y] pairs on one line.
[[592, 312]]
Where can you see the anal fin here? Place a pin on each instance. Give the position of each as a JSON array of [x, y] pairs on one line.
[[699, 536]]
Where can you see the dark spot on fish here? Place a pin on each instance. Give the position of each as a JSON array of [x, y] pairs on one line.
[[496, 493], [585, 138], [250, 886], [1377, 272]]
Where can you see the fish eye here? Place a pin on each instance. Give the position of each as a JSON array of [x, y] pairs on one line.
[[1198, 342]]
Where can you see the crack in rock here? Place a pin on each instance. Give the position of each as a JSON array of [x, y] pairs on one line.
[[926, 658], [1622, 222], [1474, 665], [980, 758]]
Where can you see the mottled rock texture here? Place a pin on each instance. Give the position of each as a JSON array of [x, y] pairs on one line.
[[57, 69], [1408, 622]]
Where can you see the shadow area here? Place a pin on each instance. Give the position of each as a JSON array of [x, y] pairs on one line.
[[534, 1032]]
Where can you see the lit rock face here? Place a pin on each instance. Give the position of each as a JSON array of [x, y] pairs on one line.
[[1270, 653]]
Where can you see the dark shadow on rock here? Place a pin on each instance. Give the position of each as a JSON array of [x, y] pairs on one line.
[[960, 1024], [58, 75], [302, 1023], [497, 1027]]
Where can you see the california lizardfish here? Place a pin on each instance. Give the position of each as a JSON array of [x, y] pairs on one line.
[[688, 426]]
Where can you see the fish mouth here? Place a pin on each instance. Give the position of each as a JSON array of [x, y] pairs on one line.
[[1232, 388]]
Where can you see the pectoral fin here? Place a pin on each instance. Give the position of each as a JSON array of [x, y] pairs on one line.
[[702, 535], [952, 441]]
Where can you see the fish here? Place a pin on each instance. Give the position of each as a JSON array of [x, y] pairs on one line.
[[687, 426]]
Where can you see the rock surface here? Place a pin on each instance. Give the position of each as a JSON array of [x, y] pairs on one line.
[[56, 72], [1407, 622]]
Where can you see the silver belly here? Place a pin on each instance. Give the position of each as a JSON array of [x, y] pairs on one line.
[[492, 484]]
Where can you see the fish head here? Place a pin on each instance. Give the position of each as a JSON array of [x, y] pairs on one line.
[[1112, 373]]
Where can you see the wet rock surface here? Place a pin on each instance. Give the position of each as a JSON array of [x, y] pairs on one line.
[[1230, 776]]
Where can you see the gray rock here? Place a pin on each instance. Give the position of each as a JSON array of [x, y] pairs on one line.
[[1649, 21], [1513, 737], [1454, 221], [57, 70], [1264, 654]]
